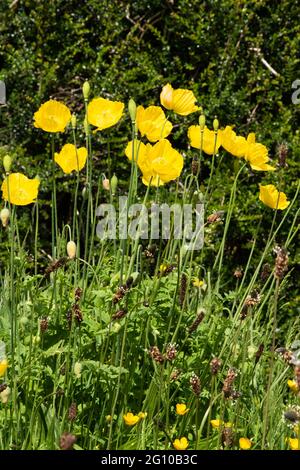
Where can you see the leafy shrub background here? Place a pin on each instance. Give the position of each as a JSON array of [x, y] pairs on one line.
[[130, 49]]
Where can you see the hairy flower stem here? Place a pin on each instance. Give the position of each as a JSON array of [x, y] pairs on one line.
[[54, 230], [266, 424]]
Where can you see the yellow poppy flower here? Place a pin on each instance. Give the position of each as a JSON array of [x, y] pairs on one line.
[[180, 101], [294, 443], [209, 142], [52, 116], [141, 151], [152, 123], [181, 409], [131, 419], [20, 189], [271, 197], [245, 443], [257, 155], [104, 113], [3, 367], [70, 159], [232, 143], [163, 164], [292, 384], [181, 444], [159, 163]]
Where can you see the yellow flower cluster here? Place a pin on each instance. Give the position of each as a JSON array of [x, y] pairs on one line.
[[130, 419]]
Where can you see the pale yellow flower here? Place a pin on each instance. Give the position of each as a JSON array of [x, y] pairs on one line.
[[71, 159], [19, 189], [153, 123], [103, 113], [180, 101]]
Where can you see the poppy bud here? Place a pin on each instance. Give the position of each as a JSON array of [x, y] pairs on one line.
[[7, 161], [202, 121], [215, 124], [71, 249], [73, 121], [4, 395], [105, 184], [4, 216], [132, 109], [84, 192], [114, 184], [86, 90]]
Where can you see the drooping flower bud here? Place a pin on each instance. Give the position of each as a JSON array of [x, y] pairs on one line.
[[105, 184], [114, 184], [7, 161], [4, 395], [202, 121], [73, 121], [132, 109], [86, 90], [4, 216], [71, 249], [215, 124]]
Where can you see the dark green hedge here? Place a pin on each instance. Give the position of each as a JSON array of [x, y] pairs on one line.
[[130, 49]]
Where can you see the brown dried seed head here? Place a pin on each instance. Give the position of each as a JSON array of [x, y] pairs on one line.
[[3, 387], [227, 437], [265, 272], [196, 322], [238, 273], [67, 440], [119, 314], [281, 263], [171, 352], [175, 374], [182, 292], [259, 352], [156, 354], [78, 294], [215, 365], [55, 265], [215, 217], [195, 167], [44, 324], [228, 382], [72, 412], [195, 384], [282, 155]]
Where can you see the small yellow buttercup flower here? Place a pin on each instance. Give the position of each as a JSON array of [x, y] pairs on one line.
[[104, 113], [142, 415], [198, 282], [216, 423], [232, 143], [271, 197], [131, 419], [3, 367], [292, 384], [19, 189], [180, 101], [211, 141], [153, 123], [245, 443], [52, 116], [181, 444], [71, 159], [181, 409], [108, 418], [294, 443]]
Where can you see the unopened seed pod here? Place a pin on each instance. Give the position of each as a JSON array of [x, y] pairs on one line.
[[202, 121], [105, 184], [132, 109], [114, 184], [86, 90], [7, 161], [215, 124], [71, 249], [73, 121]]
